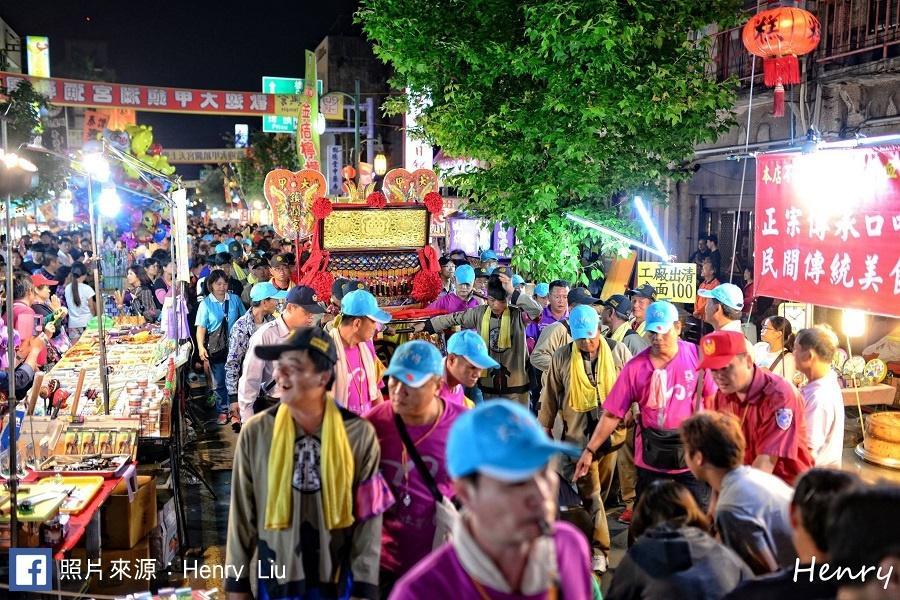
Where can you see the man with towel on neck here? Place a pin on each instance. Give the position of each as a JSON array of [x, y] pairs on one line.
[[501, 326], [306, 491]]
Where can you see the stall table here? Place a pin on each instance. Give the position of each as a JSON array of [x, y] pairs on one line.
[[869, 395]]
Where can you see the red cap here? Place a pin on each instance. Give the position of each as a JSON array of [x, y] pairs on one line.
[[38, 280], [719, 347]]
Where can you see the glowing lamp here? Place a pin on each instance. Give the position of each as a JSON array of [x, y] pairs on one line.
[[109, 202], [853, 322], [380, 164]]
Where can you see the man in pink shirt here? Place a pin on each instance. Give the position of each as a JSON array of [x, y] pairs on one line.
[[662, 380], [507, 544], [467, 357], [418, 481]]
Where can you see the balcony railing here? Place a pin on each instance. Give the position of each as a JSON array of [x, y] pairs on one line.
[[853, 32]]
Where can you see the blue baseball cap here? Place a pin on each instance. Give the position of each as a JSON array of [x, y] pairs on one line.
[[360, 303], [222, 247], [503, 440], [542, 290], [471, 346], [584, 322], [488, 255], [207, 237], [517, 280], [465, 274], [660, 316], [265, 290], [415, 362], [727, 293]]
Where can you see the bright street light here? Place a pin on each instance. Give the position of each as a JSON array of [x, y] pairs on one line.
[[96, 166], [109, 202], [650, 227]]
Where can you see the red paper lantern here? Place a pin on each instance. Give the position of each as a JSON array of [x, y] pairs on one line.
[[779, 36], [348, 172]]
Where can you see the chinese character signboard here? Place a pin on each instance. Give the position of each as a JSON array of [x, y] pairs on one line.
[[828, 228], [334, 160], [675, 282], [210, 156], [307, 135]]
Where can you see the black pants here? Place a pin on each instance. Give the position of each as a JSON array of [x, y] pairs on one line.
[[698, 489]]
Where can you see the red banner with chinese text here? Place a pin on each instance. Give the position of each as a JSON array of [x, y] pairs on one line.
[[827, 228], [72, 92]]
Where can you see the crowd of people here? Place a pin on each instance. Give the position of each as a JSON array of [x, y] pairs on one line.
[[487, 472]]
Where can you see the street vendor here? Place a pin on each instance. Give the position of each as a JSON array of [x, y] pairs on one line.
[[461, 298], [306, 491], [256, 389], [500, 324], [358, 370]]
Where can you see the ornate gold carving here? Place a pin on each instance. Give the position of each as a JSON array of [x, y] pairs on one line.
[[375, 229]]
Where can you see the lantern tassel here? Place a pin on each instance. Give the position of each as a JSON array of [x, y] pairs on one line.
[[778, 108], [782, 69]]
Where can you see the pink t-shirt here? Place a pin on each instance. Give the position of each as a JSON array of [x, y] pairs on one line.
[[23, 322], [633, 385], [441, 575], [357, 383], [456, 395], [407, 531]]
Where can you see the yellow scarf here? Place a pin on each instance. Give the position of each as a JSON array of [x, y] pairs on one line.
[[336, 468], [582, 395], [504, 341], [642, 328]]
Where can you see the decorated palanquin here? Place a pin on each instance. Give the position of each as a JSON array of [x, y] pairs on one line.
[[380, 238]]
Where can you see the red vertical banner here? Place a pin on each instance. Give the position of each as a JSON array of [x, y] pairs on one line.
[[827, 228]]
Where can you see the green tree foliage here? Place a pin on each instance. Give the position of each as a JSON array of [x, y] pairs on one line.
[[567, 104], [22, 107], [267, 151]]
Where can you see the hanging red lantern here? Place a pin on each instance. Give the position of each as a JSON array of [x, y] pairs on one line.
[[348, 172], [779, 36]]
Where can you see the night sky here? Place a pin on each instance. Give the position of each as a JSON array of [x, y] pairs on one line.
[[226, 45]]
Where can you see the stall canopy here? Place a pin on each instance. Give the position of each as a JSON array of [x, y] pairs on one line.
[[827, 228]]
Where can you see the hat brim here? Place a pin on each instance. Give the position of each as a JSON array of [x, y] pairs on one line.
[[273, 352], [706, 294], [659, 326], [466, 281], [531, 460], [638, 294], [379, 316], [410, 377], [482, 361], [315, 309], [281, 295], [715, 362], [584, 334]]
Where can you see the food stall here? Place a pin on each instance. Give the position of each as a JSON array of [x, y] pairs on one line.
[[827, 238]]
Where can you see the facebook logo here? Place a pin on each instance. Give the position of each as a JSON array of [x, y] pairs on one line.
[[30, 569]]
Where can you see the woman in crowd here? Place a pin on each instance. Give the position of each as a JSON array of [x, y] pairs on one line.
[[163, 283], [79, 300], [138, 296], [216, 314], [673, 555], [46, 305], [775, 351]]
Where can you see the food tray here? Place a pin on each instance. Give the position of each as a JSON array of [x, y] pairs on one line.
[[45, 468], [881, 462], [86, 487]]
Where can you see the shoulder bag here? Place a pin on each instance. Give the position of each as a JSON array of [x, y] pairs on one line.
[[217, 341]]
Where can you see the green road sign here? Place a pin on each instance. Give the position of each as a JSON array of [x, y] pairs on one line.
[[282, 85]]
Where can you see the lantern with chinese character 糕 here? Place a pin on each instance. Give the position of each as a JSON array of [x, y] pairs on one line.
[[779, 36]]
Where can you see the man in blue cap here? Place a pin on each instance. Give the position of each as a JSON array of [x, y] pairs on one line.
[[256, 390], [263, 302], [467, 357], [579, 379], [723, 308], [541, 294], [508, 542], [664, 384], [461, 298], [489, 260], [412, 431], [358, 370], [501, 324]]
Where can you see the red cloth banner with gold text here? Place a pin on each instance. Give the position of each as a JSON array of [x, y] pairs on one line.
[[827, 228]]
